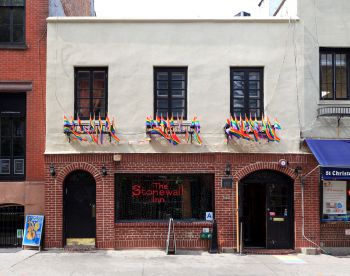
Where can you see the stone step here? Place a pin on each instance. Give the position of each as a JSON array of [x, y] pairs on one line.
[[80, 248], [264, 251]]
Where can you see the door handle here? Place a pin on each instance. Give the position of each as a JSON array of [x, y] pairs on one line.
[[93, 210]]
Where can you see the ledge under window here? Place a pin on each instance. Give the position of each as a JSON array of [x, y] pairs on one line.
[[13, 47], [333, 102], [162, 223]]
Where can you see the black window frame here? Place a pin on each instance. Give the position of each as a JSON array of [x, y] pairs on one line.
[[334, 51], [12, 113], [11, 43], [246, 71], [91, 98], [117, 177], [169, 70]]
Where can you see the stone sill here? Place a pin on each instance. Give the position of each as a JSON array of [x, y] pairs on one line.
[[127, 224], [13, 47]]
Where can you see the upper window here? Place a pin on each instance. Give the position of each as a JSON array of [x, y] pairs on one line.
[[12, 135], [158, 197], [90, 92], [247, 92], [334, 75], [12, 21], [170, 92]]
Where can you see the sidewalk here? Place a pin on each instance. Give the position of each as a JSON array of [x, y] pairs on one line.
[[154, 262]]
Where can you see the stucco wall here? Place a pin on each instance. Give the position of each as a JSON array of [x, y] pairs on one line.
[[131, 49], [326, 24]]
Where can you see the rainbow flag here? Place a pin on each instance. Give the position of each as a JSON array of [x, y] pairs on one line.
[[196, 137], [112, 130], [174, 138], [276, 124]]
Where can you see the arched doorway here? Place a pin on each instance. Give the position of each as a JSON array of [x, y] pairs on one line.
[[80, 208], [11, 225], [266, 210]]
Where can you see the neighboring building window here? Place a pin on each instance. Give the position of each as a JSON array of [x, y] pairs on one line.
[[12, 136], [158, 197], [336, 200], [170, 92], [12, 21], [90, 92], [247, 91], [334, 75]]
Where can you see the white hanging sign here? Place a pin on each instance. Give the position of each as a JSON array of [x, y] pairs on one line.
[[334, 197]]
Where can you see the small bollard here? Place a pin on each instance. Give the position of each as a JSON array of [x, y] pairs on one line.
[[213, 248]]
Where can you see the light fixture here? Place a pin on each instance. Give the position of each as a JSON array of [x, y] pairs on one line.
[[104, 170], [228, 169], [52, 170], [283, 163], [298, 170]]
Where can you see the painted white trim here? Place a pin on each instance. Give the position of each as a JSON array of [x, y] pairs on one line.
[[172, 20]]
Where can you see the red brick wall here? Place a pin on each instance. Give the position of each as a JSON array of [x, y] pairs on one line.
[[76, 7], [123, 235], [333, 234], [30, 64], [154, 235]]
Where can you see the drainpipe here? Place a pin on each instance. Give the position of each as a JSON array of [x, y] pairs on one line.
[[302, 180]]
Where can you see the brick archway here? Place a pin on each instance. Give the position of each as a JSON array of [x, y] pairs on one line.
[[54, 205], [64, 172], [263, 166], [272, 166]]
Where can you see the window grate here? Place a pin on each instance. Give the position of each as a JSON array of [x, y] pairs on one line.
[[11, 222]]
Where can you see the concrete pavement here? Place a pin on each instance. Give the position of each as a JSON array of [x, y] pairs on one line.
[[154, 262]]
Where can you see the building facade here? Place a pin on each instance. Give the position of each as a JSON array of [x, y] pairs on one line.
[[22, 112], [184, 118], [326, 111]]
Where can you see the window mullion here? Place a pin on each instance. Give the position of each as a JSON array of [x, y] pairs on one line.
[[91, 100], [334, 76], [11, 24], [246, 92], [11, 149], [169, 93], [347, 76]]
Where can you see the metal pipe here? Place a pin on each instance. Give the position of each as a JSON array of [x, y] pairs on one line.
[[302, 180], [238, 248]]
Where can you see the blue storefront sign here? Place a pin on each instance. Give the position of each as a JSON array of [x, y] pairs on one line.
[[32, 230], [331, 173]]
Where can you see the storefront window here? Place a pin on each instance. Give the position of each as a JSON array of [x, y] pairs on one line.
[[336, 200], [158, 197]]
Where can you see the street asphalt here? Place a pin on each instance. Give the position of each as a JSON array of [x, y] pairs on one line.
[[154, 262]]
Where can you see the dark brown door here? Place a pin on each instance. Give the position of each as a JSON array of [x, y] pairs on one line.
[[279, 215], [80, 205], [254, 218]]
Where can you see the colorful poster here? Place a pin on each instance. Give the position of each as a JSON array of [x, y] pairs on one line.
[[334, 197], [32, 230]]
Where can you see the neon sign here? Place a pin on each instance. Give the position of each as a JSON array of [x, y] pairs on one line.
[[158, 192]]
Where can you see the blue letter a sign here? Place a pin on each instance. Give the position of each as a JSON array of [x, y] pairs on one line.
[[209, 216]]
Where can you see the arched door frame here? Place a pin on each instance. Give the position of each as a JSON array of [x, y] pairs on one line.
[[64, 198], [240, 174]]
